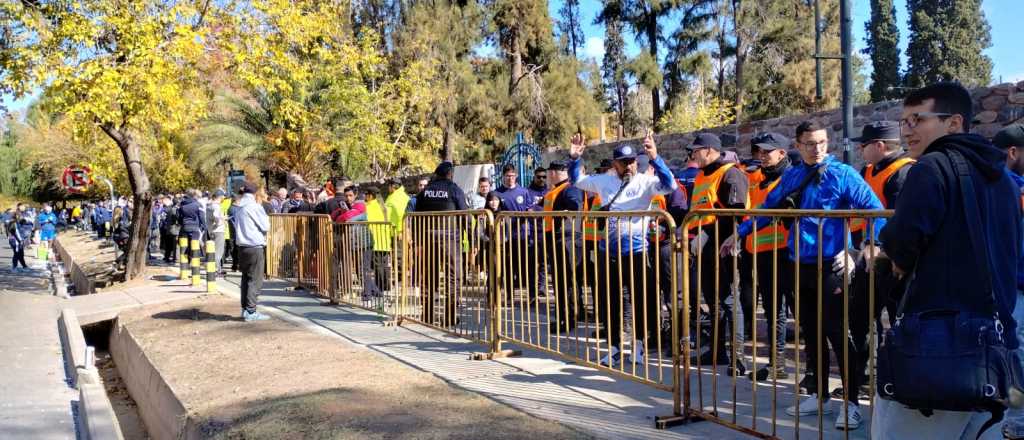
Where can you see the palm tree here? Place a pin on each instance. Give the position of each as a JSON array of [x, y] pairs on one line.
[[235, 136]]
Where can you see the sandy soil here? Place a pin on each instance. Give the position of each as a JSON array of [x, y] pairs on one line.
[[272, 380]]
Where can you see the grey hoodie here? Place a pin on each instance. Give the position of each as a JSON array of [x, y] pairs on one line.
[[251, 222]]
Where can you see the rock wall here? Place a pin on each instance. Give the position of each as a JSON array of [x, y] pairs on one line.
[[995, 108]]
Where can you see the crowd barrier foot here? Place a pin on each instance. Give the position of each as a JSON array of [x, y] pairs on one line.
[[495, 355], [666, 422]]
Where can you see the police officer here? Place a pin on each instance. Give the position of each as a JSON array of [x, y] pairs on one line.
[[769, 251], [719, 184], [886, 170], [561, 238], [442, 194]]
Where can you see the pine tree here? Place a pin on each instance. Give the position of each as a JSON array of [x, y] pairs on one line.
[[686, 60], [883, 49], [570, 26], [947, 40], [613, 66]]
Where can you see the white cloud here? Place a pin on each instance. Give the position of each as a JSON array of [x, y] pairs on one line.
[[594, 48]]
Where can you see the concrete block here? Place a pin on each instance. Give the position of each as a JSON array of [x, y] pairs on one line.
[[99, 422], [163, 413], [73, 343]]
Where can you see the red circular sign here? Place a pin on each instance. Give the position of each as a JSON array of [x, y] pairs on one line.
[[76, 178]]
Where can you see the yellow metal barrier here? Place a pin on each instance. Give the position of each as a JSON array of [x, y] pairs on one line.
[[301, 247], [366, 258], [576, 284], [715, 287], [444, 272]]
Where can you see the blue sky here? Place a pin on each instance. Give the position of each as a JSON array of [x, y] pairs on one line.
[[1001, 15]]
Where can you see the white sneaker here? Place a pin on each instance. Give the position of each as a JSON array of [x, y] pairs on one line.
[[612, 358], [637, 357], [850, 418], [810, 406]]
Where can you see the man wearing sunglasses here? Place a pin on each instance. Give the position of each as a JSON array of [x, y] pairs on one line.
[[719, 184]]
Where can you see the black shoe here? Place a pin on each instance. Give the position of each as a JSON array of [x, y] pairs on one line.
[[768, 372], [809, 384], [706, 359], [739, 371], [556, 328]]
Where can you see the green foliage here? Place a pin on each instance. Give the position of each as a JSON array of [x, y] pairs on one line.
[[947, 42], [883, 48], [692, 113], [16, 177]]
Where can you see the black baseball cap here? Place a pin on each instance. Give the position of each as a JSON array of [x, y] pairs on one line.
[[706, 140], [247, 187], [879, 131], [623, 152], [604, 166], [558, 165], [1010, 136], [443, 169], [770, 141]]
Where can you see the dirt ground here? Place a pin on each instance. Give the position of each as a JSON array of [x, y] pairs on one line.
[[273, 380]]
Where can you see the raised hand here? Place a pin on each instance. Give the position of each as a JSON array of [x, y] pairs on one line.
[[577, 145], [649, 146]]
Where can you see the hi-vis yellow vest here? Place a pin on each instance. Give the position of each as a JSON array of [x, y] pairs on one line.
[[877, 184], [705, 195], [774, 235], [591, 230], [381, 232]]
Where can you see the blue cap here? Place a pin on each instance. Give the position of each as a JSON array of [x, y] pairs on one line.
[[879, 131], [770, 141], [623, 152], [705, 140]]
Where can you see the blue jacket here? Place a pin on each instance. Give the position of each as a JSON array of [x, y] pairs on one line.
[[929, 232], [47, 221], [841, 187], [192, 215], [516, 199]]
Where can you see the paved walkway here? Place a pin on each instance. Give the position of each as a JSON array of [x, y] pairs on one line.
[[534, 383], [36, 399]]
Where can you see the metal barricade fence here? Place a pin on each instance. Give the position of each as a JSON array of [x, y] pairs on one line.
[[581, 285], [301, 247], [445, 276], [830, 308], [366, 261]]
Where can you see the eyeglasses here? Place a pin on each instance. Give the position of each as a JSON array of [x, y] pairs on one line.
[[915, 118], [541, 176]]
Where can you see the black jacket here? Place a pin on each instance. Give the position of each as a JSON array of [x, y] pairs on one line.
[[192, 215], [929, 232], [441, 195]]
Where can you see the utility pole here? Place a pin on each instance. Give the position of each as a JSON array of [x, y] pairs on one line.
[[846, 60], [845, 35]]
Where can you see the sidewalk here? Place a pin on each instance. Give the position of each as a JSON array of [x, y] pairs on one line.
[[534, 383], [37, 400]]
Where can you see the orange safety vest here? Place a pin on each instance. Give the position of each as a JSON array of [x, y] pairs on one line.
[[774, 235], [877, 184], [654, 232], [549, 205], [705, 195], [591, 232]]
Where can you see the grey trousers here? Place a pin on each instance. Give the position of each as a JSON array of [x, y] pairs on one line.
[[251, 263], [218, 245]]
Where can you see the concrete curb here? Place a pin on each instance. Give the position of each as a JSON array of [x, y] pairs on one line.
[[99, 422], [165, 416], [75, 350]]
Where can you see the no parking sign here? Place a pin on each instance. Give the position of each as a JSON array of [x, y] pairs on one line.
[[76, 179]]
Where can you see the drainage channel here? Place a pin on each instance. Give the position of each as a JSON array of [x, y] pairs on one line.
[[127, 411]]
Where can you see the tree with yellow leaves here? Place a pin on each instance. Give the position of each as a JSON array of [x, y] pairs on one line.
[[128, 68]]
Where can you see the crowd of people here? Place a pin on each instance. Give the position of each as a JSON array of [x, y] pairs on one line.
[[919, 259]]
